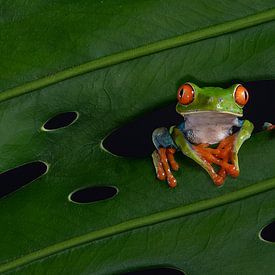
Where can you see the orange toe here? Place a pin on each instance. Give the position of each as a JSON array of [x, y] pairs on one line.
[[233, 172], [222, 172], [160, 173], [170, 156], [218, 180], [172, 182]]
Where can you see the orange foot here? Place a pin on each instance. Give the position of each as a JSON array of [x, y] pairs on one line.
[[221, 156], [165, 160], [226, 155]]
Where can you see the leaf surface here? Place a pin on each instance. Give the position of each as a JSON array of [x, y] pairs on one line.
[[111, 62]]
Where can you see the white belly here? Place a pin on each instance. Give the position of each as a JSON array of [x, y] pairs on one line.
[[209, 127]]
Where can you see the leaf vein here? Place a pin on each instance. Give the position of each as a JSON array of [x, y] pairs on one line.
[[151, 48], [136, 223]]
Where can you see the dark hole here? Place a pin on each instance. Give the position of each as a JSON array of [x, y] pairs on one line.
[[268, 232], [154, 271], [260, 106], [93, 193], [60, 120], [135, 138], [15, 178]]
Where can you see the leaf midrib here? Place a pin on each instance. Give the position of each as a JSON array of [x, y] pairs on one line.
[[151, 48], [152, 219]]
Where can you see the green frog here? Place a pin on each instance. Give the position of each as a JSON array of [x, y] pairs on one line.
[[207, 134]]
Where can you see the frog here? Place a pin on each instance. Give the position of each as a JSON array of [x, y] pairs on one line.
[[211, 133]]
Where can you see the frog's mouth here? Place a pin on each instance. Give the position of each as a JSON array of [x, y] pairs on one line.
[[211, 113], [225, 119], [210, 127]]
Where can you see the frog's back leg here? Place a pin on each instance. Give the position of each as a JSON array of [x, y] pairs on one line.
[[163, 156]]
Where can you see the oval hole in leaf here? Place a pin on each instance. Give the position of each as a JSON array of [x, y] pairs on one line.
[[15, 178], [153, 271], [60, 121], [93, 194], [268, 233], [135, 138]]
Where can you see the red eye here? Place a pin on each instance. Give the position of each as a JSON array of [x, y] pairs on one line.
[[186, 94], [241, 95]]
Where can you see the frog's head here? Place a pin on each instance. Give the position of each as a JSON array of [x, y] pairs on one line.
[[193, 99]]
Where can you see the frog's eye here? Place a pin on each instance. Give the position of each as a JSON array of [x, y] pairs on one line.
[[241, 95], [186, 94]]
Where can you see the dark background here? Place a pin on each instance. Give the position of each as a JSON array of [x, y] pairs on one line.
[[260, 108]]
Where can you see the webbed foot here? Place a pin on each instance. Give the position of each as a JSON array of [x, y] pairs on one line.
[[163, 159], [220, 156], [202, 154]]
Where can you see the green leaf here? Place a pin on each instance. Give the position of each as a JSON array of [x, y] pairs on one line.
[[111, 61]]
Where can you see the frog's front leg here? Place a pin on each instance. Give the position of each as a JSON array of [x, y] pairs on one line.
[[240, 137], [228, 148], [163, 157], [225, 155], [189, 150]]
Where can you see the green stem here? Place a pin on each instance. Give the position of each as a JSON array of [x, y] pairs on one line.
[[142, 221], [162, 45]]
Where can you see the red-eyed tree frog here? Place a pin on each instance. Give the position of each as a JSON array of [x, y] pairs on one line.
[[206, 135]]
